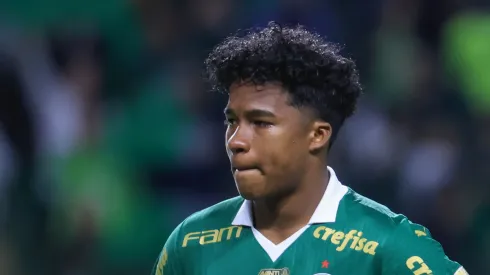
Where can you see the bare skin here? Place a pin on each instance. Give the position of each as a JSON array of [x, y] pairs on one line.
[[278, 157]]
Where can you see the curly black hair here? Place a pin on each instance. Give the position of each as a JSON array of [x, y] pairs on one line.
[[311, 70]]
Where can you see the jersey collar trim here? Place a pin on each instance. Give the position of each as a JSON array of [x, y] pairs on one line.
[[325, 212]]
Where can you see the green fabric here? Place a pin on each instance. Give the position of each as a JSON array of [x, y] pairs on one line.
[[466, 43], [364, 232]]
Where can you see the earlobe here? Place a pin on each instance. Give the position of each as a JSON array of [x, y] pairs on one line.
[[320, 136]]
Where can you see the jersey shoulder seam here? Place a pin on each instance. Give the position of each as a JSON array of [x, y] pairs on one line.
[[220, 209], [375, 207]]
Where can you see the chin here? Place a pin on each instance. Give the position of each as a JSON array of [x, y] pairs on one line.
[[251, 190], [251, 196]]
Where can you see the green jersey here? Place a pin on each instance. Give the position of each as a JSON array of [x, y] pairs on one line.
[[347, 234]]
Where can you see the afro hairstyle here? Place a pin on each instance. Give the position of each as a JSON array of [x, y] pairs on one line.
[[310, 69]]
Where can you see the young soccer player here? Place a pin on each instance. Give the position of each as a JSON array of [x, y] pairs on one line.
[[289, 93]]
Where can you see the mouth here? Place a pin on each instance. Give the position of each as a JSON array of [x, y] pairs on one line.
[[234, 169], [241, 170]]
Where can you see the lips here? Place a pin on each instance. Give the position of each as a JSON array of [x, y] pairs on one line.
[[246, 173], [242, 168]]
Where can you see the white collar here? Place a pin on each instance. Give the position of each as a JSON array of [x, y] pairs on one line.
[[325, 212]]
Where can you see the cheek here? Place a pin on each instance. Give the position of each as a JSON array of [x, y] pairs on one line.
[[285, 154], [228, 135], [285, 165]]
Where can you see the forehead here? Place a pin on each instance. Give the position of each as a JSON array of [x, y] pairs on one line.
[[267, 97]]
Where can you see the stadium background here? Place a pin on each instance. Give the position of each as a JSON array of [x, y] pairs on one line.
[[108, 138]]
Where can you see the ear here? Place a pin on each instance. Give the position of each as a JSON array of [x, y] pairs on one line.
[[320, 136]]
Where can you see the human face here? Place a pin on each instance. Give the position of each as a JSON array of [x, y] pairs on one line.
[[267, 140]]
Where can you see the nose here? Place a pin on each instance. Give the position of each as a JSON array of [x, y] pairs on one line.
[[238, 141]]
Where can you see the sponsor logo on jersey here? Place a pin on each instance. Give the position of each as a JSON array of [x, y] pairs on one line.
[[461, 271], [282, 271], [417, 266], [420, 233], [353, 240], [213, 236]]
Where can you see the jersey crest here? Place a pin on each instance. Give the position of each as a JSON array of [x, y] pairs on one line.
[[282, 271]]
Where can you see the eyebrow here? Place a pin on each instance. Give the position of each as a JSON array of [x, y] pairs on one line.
[[252, 113]]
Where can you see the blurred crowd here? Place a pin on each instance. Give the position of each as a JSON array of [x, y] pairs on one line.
[[109, 138]]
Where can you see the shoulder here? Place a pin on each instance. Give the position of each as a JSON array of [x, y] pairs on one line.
[[219, 214], [207, 226], [406, 247], [215, 217], [371, 212], [392, 228], [210, 225]]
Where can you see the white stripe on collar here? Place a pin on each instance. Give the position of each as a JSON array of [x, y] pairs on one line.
[[326, 210]]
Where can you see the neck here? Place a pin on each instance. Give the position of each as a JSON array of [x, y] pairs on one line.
[[295, 209]]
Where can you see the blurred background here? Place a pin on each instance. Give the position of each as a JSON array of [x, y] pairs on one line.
[[108, 138]]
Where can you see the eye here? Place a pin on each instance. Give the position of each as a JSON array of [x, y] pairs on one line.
[[229, 122], [262, 124]]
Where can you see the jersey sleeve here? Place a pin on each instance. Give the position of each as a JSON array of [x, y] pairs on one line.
[[411, 250], [170, 261]]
